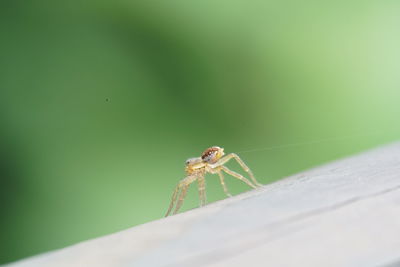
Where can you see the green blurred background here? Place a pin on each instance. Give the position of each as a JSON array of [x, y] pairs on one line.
[[102, 103]]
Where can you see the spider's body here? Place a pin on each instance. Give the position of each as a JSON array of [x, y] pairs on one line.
[[212, 161], [194, 165]]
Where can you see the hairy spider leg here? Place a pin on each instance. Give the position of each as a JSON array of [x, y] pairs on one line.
[[202, 189], [181, 185], [237, 175], [173, 199], [181, 198], [241, 163], [222, 180]]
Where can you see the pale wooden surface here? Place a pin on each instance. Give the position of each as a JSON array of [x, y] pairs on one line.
[[346, 213]]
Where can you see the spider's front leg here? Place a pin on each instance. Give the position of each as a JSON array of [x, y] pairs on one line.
[[182, 187], [241, 163], [181, 198], [173, 199]]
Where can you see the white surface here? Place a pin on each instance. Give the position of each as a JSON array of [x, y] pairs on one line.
[[346, 213]]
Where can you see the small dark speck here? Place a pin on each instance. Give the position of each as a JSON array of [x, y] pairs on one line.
[[107, 100]]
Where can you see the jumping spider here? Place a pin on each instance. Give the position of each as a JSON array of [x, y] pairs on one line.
[[212, 161]]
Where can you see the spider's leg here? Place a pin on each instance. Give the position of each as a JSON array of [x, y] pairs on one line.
[[202, 189], [184, 182], [222, 180], [242, 164], [237, 175], [173, 199], [181, 197]]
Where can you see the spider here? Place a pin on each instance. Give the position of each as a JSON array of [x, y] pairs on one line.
[[212, 161]]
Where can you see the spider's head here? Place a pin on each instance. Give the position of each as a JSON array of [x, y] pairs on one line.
[[212, 154], [193, 164], [192, 161]]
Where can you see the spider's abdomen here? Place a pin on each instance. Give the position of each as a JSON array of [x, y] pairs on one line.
[[212, 154]]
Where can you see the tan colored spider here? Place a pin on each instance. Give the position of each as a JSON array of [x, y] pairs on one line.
[[212, 161]]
